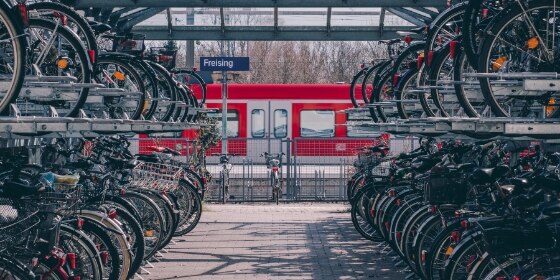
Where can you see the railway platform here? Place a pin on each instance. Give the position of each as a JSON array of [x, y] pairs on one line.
[[265, 241]]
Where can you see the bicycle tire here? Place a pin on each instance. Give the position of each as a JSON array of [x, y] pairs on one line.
[[97, 230], [167, 83], [10, 268], [12, 24], [151, 217], [500, 22], [113, 59], [194, 215], [88, 252], [85, 28], [65, 109]]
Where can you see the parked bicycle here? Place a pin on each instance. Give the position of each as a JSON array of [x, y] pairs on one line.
[[274, 164], [224, 174]]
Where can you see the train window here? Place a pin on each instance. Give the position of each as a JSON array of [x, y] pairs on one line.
[[317, 123], [257, 123], [280, 123], [232, 121]]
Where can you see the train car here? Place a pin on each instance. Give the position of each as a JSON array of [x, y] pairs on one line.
[[314, 114]]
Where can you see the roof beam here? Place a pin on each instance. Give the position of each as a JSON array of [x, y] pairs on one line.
[[427, 11], [407, 15], [126, 23], [169, 23], [268, 33], [381, 21], [329, 11], [258, 3], [275, 18], [222, 20]]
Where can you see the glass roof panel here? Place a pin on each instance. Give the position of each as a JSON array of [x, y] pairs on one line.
[[302, 17]]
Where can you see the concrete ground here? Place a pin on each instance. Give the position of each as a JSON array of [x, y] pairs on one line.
[[267, 241]]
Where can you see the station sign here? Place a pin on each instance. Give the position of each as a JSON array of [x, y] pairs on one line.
[[224, 63]]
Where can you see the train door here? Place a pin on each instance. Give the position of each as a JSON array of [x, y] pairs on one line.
[[269, 121]]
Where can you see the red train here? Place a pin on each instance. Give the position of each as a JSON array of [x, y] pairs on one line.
[[314, 114]]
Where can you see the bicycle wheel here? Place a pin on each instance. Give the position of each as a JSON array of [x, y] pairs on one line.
[[12, 269], [521, 40], [118, 238], [384, 90], [87, 261], [192, 203], [358, 212], [74, 21], [130, 92], [445, 27], [167, 96], [56, 52], [166, 207], [478, 13], [426, 234], [357, 80], [440, 250], [12, 57], [442, 90], [408, 96], [194, 82], [152, 220], [135, 234], [106, 249], [181, 106], [466, 88], [464, 257]]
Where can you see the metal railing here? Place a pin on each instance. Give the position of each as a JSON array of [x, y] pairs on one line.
[[314, 169]]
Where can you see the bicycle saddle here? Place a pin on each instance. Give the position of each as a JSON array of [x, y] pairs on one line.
[[379, 149], [164, 150], [488, 175], [122, 163], [520, 182], [99, 27], [147, 158], [388, 42]]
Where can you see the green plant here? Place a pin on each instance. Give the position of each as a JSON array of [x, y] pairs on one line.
[[208, 135]]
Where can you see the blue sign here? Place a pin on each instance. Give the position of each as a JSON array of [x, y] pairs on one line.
[[224, 64]]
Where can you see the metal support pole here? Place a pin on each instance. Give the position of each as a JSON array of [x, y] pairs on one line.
[[190, 43], [243, 182], [224, 113]]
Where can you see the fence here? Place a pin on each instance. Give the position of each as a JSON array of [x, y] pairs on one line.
[[313, 168]]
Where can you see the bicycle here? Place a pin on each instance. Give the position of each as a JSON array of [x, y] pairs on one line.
[[273, 162], [224, 174]]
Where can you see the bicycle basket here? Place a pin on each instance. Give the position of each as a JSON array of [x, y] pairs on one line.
[[16, 221], [156, 176], [61, 198], [381, 170], [445, 187]]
